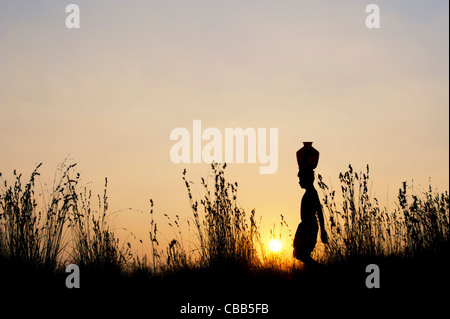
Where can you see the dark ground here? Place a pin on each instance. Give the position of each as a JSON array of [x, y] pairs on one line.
[[408, 286]]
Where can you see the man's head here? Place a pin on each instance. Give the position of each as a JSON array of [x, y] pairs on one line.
[[306, 177]]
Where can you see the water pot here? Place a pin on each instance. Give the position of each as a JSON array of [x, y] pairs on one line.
[[307, 156]]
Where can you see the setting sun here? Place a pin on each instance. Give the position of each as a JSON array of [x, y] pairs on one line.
[[275, 245]]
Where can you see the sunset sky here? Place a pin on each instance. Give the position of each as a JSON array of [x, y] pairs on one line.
[[107, 95]]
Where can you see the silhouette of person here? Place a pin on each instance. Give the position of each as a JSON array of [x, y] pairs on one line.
[[311, 218]]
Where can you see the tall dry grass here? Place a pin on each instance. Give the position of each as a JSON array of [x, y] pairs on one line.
[[360, 228], [69, 225], [44, 230], [225, 233], [95, 245], [31, 235]]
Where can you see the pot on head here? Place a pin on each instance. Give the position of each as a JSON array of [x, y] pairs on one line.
[[307, 157]]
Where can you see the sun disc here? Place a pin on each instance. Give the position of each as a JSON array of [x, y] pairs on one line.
[[275, 245]]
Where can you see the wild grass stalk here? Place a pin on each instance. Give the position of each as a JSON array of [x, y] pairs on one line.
[[225, 234], [65, 226], [426, 220], [359, 228], [281, 260], [95, 245], [32, 235]]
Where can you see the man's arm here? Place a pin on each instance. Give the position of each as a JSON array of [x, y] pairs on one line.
[[323, 233]]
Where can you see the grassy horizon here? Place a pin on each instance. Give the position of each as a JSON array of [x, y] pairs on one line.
[[72, 226]]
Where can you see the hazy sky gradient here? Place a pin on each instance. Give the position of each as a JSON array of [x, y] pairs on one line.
[[110, 93]]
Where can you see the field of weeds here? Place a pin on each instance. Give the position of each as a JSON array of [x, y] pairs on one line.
[[41, 234]]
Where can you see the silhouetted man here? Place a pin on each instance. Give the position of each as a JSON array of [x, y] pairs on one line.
[[311, 209]]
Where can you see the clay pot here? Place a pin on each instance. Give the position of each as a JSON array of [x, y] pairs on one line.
[[307, 156]]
